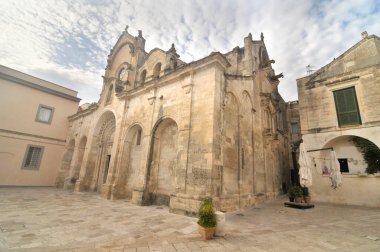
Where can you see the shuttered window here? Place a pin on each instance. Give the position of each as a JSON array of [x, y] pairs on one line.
[[347, 108], [32, 157]]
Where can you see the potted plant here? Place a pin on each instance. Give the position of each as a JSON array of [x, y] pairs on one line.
[[207, 220], [291, 194], [306, 195], [298, 194]]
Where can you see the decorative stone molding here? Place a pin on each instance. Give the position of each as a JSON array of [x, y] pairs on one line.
[[151, 100], [188, 88]]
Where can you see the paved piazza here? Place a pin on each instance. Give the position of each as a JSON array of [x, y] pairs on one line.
[[48, 219]]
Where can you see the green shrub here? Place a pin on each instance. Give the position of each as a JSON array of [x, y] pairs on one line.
[[305, 191], [291, 192], [370, 152], [207, 216], [298, 191]]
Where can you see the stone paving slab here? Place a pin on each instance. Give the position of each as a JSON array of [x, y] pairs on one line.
[[49, 219]]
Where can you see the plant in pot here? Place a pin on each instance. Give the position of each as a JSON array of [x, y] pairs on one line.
[[291, 194], [207, 220], [306, 195], [298, 194]]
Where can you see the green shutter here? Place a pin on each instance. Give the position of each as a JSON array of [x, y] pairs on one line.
[[347, 107]]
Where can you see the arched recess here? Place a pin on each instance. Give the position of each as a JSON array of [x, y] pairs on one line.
[[142, 77], [77, 165], [157, 70], [350, 159], [163, 161], [109, 94], [129, 174], [231, 145], [66, 162], [98, 163], [246, 148]]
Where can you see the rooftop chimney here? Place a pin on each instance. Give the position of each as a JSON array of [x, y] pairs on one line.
[[364, 34]]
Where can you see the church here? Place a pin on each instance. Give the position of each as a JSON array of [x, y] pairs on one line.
[[168, 132]]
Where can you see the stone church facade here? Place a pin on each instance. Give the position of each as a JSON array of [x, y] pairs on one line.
[[169, 132]]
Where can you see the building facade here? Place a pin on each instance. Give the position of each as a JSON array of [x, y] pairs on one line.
[[169, 132], [336, 103], [33, 128]]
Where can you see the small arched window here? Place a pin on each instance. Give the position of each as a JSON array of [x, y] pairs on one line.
[[142, 77], [110, 89], [122, 73], [157, 70]]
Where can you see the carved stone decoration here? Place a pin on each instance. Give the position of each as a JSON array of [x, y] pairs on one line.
[[187, 87], [151, 100], [173, 51], [132, 49]]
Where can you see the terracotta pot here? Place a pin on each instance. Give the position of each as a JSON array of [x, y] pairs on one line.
[[205, 232], [307, 199], [298, 199]]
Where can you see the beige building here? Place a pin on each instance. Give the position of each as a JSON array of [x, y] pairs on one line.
[[33, 128], [169, 132], [339, 101]]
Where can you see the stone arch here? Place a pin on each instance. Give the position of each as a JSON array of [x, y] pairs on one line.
[[130, 175], [99, 157], [143, 77], [66, 163], [247, 99], [163, 161], [346, 153], [231, 145], [156, 70]]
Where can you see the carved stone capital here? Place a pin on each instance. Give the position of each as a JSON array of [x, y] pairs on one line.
[[188, 88]]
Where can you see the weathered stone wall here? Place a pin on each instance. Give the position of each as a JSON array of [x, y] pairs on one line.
[[192, 131], [358, 68]]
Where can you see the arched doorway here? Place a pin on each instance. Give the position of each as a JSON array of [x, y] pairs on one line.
[[98, 163], [163, 161], [130, 174]]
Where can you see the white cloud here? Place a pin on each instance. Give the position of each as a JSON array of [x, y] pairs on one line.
[[67, 42]]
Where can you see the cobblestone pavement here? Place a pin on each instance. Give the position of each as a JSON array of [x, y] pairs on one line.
[[48, 219]]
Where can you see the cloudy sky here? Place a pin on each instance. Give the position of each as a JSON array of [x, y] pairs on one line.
[[67, 41]]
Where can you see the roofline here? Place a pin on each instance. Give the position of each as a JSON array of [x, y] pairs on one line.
[[39, 78], [340, 56], [38, 87]]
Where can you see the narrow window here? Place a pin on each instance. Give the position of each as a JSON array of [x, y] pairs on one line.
[[106, 168], [157, 70], [343, 164], [44, 114], [33, 156], [138, 138], [122, 72], [347, 108], [142, 77], [242, 158]]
